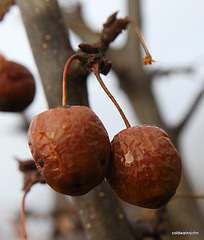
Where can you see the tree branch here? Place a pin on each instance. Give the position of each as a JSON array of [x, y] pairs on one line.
[[173, 70], [49, 42], [154, 227], [74, 21], [102, 215], [177, 130]]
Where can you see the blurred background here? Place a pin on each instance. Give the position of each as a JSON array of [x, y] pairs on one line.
[[173, 33]]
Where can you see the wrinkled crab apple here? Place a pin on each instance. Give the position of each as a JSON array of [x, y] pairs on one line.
[[17, 86], [71, 149], [145, 168]]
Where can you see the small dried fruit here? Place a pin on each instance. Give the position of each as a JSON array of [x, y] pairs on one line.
[[71, 148], [17, 86], [4, 7], [145, 168]]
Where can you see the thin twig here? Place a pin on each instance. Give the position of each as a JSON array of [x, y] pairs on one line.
[[188, 195], [173, 70], [23, 211], [189, 114]]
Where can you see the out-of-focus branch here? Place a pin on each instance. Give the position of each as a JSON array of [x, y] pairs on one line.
[[74, 20], [180, 195], [173, 70], [154, 227], [191, 111], [177, 130]]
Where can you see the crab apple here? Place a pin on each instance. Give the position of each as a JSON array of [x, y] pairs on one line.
[[17, 86], [145, 168], [71, 148]]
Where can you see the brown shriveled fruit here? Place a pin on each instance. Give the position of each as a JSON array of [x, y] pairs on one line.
[[71, 148], [17, 86], [145, 168], [4, 7]]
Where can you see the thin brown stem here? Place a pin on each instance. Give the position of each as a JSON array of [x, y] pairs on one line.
[[23, 211], [64, 83], [137, 29], [96, 72], [148, 58], [188, 195]]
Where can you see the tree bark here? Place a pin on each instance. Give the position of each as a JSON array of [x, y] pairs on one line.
[[49, 43]]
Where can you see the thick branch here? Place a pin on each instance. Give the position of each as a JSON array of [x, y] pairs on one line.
[[49, 43], [103, 216]]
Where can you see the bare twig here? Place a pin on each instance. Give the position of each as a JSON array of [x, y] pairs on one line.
[[31, 177], [23, 211], [154, 227], [173, 70], [74, 20], [181, 195], [111, 29], [189, 114]]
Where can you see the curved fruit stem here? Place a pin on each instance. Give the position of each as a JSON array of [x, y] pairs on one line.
[[148, 58], [64, 87], [23, 211], [95, 69]]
